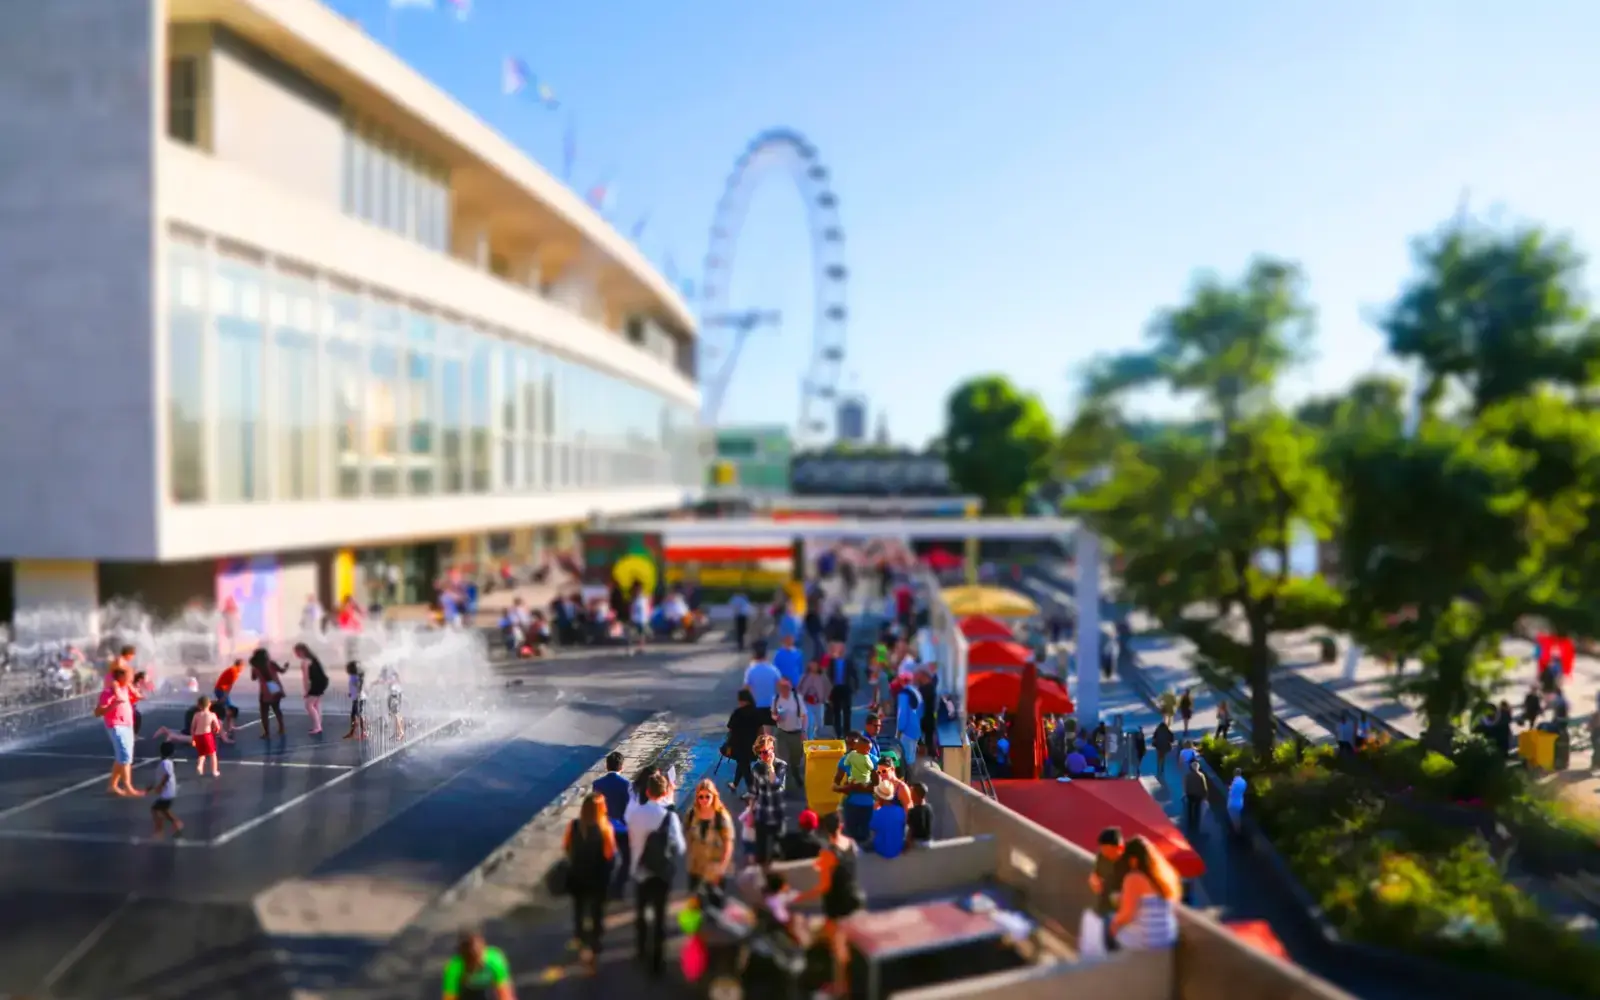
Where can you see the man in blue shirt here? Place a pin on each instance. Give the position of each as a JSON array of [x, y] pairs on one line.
[[761, 677], [789, 661], [908, 720], [888, 824], [790, 624]]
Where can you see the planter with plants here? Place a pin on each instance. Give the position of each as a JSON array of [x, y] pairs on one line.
[[1388, 848]]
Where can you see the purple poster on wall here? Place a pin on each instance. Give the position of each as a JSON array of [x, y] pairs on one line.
[[247, 597]]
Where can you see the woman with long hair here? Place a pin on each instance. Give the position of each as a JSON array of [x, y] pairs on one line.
[[1148, 915], [591, 849], [710, 835], [839, 889], [477, 971], [270, 681], [314, 682]]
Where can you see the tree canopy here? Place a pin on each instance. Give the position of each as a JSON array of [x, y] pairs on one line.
[[997, 441], [1195, 508], [1473, 518]]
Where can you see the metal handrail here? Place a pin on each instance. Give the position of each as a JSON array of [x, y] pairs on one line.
[[980, 775]]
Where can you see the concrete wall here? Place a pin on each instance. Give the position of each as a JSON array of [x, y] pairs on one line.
[[57, 600], [1212, 963], [1123, 976], [78, 116], [274, 123]]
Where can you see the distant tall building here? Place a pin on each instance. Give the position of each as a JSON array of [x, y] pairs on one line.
[[852, 420], [881, 438]]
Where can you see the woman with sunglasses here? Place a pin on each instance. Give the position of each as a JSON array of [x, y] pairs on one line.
[[711, 837]]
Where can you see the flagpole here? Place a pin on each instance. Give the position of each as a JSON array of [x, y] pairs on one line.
[[389, 25]]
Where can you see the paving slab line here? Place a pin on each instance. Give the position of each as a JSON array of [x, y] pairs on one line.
[[507, 884]]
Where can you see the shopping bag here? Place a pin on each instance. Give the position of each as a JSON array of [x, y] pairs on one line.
[[1091, 936]]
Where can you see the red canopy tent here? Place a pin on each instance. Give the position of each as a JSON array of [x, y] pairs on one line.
[[979, 627], [1079, 810], [989, 653], [990, 692]]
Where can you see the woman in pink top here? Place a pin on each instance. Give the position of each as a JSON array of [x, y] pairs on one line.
[[116, 707]]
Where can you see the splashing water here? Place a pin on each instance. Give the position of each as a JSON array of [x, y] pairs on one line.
[[443, 672]]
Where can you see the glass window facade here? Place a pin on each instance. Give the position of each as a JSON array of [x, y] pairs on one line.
[[284, 387], [392, 185], [186, 373]]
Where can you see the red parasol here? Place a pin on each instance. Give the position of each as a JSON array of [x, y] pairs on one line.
[[989, 653], [990, 692], [979, 627]]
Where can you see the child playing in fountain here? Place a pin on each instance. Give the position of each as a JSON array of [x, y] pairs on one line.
[[202, 729], [166, 789], [358, 700], [390, 677]]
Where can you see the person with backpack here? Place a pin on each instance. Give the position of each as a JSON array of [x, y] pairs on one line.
[[656, 844]]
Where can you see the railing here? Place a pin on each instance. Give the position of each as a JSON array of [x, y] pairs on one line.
[[980, 775]]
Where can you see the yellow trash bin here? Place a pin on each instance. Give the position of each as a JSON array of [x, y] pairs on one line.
[[1537, 748], [822, 764]]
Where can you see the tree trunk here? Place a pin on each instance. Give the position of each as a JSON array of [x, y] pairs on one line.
[[1263, 730]]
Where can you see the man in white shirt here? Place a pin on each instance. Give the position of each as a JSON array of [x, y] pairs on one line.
[[790, 712], [641, 618], [653, 885]]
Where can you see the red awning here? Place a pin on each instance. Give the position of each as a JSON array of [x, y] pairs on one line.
[[1079, 810], [990, 653], [979, 627], [941, 559], [990, 692]]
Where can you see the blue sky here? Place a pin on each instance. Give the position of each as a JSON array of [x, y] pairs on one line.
[[1023, 182]]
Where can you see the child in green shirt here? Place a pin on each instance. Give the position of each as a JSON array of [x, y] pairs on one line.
[[477, 971]]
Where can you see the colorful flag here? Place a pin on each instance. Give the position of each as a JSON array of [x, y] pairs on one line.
[[516, 78], [461, 7], [602, 196], [569, 150], [637, 232]]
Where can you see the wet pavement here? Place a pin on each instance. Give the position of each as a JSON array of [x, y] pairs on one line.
[[92, 905]]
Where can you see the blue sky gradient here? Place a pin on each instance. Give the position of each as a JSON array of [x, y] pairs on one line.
[[1023, 182]]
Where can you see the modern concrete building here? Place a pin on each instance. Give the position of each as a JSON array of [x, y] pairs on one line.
[[273, 306]]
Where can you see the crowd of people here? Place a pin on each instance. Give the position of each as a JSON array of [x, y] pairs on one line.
[[213, 719], [630, 835]]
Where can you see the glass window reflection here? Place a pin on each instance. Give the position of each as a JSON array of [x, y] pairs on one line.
[[422, 410], [240, 381]]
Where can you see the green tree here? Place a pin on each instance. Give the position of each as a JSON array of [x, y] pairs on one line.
[[1372, 402], [1193, 506], [997, 441], [1486, 518], [1494, 314], [1455, 538]]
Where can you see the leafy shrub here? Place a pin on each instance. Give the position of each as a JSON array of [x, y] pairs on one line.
[[1386, 870]]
